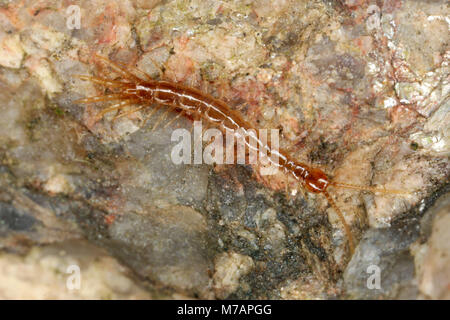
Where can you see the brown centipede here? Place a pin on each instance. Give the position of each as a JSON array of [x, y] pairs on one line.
[[191, 102]]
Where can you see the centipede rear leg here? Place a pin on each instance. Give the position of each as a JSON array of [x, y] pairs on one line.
[[118, 86]]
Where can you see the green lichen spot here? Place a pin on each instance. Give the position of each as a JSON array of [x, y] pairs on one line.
[[58, 111]]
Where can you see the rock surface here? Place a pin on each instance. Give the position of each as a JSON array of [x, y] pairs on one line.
[[357, 88]]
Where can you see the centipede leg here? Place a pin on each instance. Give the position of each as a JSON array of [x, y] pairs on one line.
[[204, 86], [222, 92], [118, 68], [125, 114], [161, 118], [191, 82], [146, 76], [102, 98], [175, 118], [155, 109], [143, 73], [117, 106], [103, 81], [194, 118], [204, 129]]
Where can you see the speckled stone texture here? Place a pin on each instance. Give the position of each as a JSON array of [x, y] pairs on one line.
[[357, 88]]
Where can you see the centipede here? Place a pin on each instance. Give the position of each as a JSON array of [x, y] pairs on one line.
[[142, 91]]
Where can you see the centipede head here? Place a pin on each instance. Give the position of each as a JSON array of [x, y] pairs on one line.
[[316, 181]]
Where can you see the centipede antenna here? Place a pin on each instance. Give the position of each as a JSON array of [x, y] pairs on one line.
[[369, 188], [102, 98], [347, 231], [103, 81], [116, 106], [174, 118], [118, 68]]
